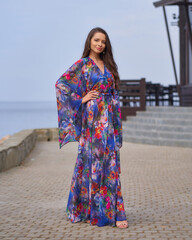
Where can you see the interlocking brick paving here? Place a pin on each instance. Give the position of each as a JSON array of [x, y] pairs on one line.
[[156, 187]]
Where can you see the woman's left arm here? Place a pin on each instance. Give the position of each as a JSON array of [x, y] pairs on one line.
[[117, 123], [117, 119]]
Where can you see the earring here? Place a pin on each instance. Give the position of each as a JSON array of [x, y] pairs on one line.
[[103, 52]]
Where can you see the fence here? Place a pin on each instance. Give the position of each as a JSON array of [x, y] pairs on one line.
[[135, 95], [132, 97], [158, 95]]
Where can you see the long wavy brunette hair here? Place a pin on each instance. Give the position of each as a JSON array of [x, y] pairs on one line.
[[107, 57]]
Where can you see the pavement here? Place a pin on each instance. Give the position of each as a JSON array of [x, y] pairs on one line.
[[156, 187]]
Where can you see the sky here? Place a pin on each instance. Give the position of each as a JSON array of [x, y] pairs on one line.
[[41, 39]]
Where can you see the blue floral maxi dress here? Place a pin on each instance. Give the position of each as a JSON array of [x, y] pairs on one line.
[[95, 191]]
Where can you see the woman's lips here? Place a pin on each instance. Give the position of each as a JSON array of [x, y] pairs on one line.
[[99, 49]]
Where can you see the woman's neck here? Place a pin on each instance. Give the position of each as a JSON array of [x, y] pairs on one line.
[[95, 56]]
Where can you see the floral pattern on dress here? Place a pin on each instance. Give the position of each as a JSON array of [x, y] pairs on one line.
[[95, 191]]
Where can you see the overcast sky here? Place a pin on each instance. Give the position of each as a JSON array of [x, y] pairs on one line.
[[41, 39]]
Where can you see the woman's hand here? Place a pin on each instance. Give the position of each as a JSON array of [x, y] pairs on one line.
[[90, 95]]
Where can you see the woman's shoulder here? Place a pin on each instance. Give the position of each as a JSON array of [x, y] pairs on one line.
[[81, 61], [79, 65]]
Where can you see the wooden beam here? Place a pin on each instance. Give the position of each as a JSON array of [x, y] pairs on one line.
[[170, 2], [188, 24], [183, 47]]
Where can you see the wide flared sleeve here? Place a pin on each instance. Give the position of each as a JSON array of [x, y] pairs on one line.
[[69, 89], [117, 123], [117, 119]]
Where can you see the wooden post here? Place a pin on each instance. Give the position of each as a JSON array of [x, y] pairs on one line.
[[143, 91]]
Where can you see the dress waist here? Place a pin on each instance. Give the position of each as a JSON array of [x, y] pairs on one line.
[[106, 93], [110, 93]]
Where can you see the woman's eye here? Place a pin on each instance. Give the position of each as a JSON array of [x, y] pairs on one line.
[[96, 40]]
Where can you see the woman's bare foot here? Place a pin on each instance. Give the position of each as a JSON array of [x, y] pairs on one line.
[[87, 221], [122, 224]]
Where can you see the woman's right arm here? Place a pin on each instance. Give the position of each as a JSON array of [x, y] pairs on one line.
[[89, 96], [69, 92]]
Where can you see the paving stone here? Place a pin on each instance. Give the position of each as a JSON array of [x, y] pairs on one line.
[[156, 188]]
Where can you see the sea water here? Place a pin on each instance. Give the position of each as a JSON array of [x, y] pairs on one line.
[[17, 116]]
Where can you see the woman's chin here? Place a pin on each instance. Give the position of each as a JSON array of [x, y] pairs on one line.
[[97, 51]]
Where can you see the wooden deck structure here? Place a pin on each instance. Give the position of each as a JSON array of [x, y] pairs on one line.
[[185, 36], [135, 95], [159, 95], [132, 96]]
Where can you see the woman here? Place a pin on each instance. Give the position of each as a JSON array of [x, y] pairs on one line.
[[89, 112]]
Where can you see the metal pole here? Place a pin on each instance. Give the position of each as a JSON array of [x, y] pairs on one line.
[[171, 50]]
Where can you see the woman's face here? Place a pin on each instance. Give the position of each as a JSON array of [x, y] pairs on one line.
[[98, 42]]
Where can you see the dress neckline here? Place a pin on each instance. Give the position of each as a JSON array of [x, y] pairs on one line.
[[97, 66]]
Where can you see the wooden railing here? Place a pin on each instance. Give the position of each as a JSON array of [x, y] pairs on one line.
[[135, 95], [132, 97], [159, 95]]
